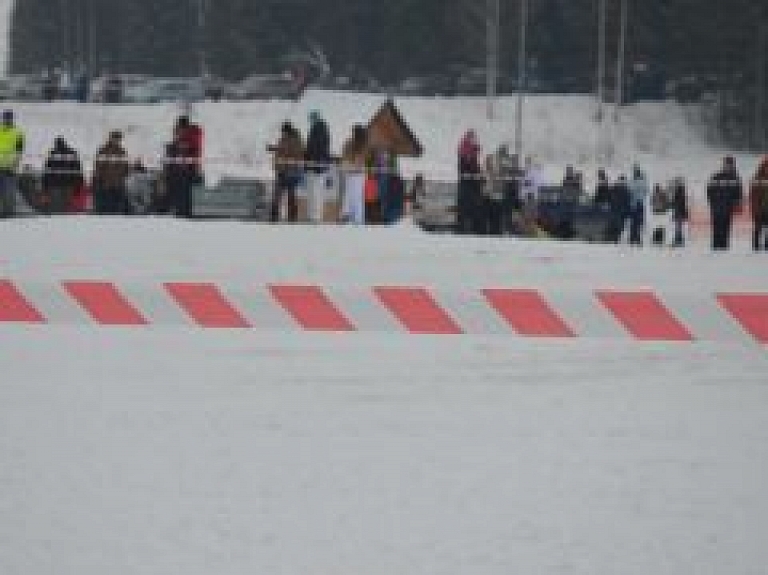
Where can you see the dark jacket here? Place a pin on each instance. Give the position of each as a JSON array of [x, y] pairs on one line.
[[758, 194], [318, 149], [62, 168], [725, 192], [111, 167], [603, 193], [679, 203], [178, 168], [620, 199]]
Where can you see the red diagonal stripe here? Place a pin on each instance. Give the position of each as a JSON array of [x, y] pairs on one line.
[[15, 308], [644, 316], [205, 304], [417, 310], [750, 310], [527, 313], [311, 308], [104, 303]]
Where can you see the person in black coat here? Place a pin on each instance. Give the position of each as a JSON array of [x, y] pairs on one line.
[[603, 191], [619, 208], [725, 194], [179, 174], [317, 155], [62, 174], [679, 210], [470, 188]]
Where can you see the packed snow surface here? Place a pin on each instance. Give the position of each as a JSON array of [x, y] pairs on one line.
[[179, 450]]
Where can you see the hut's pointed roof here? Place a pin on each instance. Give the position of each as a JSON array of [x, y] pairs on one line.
[[388, 129]]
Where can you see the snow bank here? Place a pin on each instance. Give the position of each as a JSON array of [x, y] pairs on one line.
[[559, 130]]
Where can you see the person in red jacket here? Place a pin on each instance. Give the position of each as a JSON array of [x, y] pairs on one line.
[[191, 137]]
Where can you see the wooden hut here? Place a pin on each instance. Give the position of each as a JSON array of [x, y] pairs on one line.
[[388, 130]]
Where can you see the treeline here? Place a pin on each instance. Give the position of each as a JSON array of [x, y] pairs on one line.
[[711, 40]]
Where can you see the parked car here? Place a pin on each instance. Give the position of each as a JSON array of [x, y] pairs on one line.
[[23, 88], [269, 87], [161, 90]]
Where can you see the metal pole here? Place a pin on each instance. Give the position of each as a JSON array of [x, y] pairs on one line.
[[601, 59], [521, 77], [492, 24], [621, 57], [91, 40], [203, 41], [760, 134]]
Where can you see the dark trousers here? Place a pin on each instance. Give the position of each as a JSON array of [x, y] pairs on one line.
[[469, 207], [722, 222], [636, 223], [7, 194], [490, 217], [679, 240], [109, 201], [760, 233], [60, 197], [283, 188]]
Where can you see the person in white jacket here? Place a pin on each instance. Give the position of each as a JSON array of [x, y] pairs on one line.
[[639, 191], [353, 170]]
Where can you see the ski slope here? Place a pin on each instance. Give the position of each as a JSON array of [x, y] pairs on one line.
[[171, 449]]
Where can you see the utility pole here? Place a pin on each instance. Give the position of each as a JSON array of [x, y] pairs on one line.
[[762, 39], [202, 39], [621, 58], [521, 77], [493, 18], [601, 59]]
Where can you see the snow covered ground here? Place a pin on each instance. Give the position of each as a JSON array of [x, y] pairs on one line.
[[170, 449]]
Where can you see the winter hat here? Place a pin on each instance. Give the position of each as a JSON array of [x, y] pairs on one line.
[[314, 117], [7, 116]]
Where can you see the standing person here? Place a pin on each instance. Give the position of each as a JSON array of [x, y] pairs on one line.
[[758, 203], [391, 188], [62, 175], [724, 194], [318, 165], [289, 153], [639, 190], [532, 182], [179, 173], [470, 184], [353, 171], [679, 210], [571, 185], [512, 181], [11, 148], [494, 192], [619, 207], [192, 137], [110, 169], [603, 190]]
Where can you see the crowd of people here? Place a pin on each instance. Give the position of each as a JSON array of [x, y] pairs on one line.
[[118, 184], [372, 189], [498, 194]]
